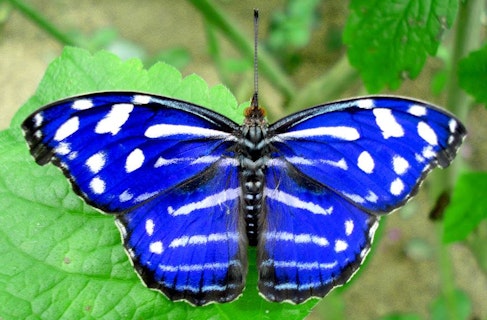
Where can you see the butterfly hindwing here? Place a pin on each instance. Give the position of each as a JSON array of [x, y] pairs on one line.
[[120, 148], [311, 238], [373, 151], [187, 242]]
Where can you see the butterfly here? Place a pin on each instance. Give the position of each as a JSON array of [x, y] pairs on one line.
[[190, 189]]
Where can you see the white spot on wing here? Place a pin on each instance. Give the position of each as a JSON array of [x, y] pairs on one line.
[[82, 104], [417, 110], [166, 130], [145, 196], [297, 238], [349, 227], [428, 134], [141, 99], [134, 161], [63, 148], [371, 197], [428, 152], [342, 164], [453, 124], [365, 162], [165, 162], [67, 129], [341, 132], [365, 103], [149, 227], [38, 119], [400, 165], [208, 202], [315, 265], [397, 187], [97, 185], [115, 119], [205, 159], [300, 160], [354, 197], [340, 245], [387, 123], [125, 196], [203, 239], [156, 247], [295, 202], [198, 267], [96, 162]]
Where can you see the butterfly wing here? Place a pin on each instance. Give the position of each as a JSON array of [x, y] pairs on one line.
[[187, 242], [332, 169], [373, 151], [166, 168], [311, 239], [120, 148]]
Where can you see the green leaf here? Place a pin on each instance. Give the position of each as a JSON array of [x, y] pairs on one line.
[[472, 74], [63, 259], [390, 40], [292, 29], [442, 308], [467, 206]]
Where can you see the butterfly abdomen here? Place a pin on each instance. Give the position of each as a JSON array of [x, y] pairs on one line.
[[253, 150]]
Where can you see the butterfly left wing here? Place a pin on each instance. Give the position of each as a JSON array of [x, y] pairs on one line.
[[373, 151], [311, 240]]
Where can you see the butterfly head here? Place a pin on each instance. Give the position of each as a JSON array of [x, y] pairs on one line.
[[254, 112]]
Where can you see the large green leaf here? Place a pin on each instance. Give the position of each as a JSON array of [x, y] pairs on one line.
[[62, 259], [390, 40]]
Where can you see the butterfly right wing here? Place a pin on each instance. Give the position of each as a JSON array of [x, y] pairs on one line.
[[167, 170], [189, 242]]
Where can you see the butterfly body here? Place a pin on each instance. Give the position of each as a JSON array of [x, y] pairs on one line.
[[253, 153], [191, 189]]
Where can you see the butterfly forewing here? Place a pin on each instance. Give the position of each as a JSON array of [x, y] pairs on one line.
[[372, 151], [121, 148]]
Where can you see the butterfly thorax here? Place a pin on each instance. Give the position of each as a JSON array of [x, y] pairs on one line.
[[253, 154]]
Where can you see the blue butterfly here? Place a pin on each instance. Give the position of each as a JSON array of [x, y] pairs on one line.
[[191, 189]]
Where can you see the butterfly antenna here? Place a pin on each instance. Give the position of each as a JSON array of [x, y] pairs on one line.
[[255, 97]]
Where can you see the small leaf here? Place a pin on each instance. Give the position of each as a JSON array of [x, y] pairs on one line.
[[472, 74], [390, 40], [460, 309], [467, 206], [63, 259], [292, 29]]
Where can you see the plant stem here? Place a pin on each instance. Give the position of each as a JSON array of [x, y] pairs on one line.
[[268, 67], [467, 35], [42, 22]]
